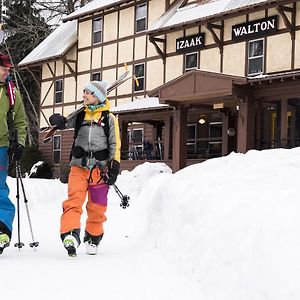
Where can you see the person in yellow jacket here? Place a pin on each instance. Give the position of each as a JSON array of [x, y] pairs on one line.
[[95, 165], [10, 103]]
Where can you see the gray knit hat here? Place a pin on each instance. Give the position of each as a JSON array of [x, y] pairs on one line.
[[98, 89]]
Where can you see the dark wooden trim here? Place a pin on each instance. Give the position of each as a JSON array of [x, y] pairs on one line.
[[217, 39], [160, 52], [48, 91], [288, 24], [51, 71]]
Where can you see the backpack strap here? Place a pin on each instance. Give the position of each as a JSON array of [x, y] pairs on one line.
[[104, 122]]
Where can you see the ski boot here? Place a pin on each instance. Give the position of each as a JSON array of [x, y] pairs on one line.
[[71, 244], [71, 241], [91, 243], [4, 241]]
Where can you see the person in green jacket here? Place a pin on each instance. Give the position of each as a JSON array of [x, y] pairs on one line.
[[10, 98]]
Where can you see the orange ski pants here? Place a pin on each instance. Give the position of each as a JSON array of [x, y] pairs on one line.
[[72, 207]]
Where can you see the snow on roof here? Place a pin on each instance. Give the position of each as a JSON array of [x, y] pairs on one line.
[[147, 103], [56, 44], [92, 7], [194, 12]]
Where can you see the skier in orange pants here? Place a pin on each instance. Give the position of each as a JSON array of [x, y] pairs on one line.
[[95, 165]]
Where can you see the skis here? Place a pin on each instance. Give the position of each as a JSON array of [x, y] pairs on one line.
[[50, 131]]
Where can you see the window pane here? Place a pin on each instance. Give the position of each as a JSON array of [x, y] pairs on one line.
[[97, 36], [141, 12], [58, 85], [139, 70], [96, 76], [56, 157], [137, 136], [191, 61], [191, 131], [56, 143], [256, 65], [215, 130], [141, 25], [140, 87], [58, 97], [256, 48], [97, 25]]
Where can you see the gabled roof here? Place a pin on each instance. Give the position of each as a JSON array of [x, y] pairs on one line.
[[197, 85], [54, 45], [91, 8], [200, 11]]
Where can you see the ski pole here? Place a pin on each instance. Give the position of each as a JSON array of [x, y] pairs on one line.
[[33, 244], [124, 198], [19, 244]]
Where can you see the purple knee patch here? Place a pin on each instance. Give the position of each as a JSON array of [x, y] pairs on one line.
[[98, 193]]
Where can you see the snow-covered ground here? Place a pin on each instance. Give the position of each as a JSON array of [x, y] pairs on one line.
[[226, 229]]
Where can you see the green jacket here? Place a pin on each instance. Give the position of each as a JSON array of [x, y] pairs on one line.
[[18, 114]]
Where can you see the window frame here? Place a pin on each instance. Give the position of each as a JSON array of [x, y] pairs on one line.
[[143, 18], [139, 77], [95, 32], [255, 57], [185, 61], [57, 92]]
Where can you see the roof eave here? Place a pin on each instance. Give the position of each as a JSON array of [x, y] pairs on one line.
[[83, 14], [216, 17]]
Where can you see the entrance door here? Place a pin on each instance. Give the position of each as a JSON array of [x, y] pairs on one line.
[[270, 125]]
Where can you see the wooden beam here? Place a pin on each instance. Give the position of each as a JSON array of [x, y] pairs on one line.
[[218, 40], [154, 41], [282, 10]]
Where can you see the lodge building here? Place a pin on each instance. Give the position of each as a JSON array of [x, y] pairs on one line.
[[215, 76]]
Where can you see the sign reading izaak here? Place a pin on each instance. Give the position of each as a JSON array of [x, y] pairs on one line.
[[255, 28], [188, 43]]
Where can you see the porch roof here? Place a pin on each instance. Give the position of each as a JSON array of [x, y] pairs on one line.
[[197, 85], [138, 105]]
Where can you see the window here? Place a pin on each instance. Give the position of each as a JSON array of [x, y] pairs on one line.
[[56, 149], [96, 76], [191, 140], [215, 139], [97, 30], [58, 91], [141, 18], [191, 61], [136, 138], [256, 57], [139, 71]]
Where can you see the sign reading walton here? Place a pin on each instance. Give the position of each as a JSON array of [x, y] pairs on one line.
[[255, 28], [188, 43]]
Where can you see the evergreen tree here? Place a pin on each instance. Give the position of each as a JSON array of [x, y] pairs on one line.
[[25, 29]]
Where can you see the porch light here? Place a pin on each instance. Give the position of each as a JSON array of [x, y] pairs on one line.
[[202, 120]]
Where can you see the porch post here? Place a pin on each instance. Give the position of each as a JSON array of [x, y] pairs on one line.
[[179, 140], [166, 142], [246, 126], [124, 140], [284, 123]]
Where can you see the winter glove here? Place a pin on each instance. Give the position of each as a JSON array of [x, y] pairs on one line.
[[58, 120], [16, 152], [112, 172]]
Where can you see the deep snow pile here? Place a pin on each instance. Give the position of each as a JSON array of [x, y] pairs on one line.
[[227, 228]]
